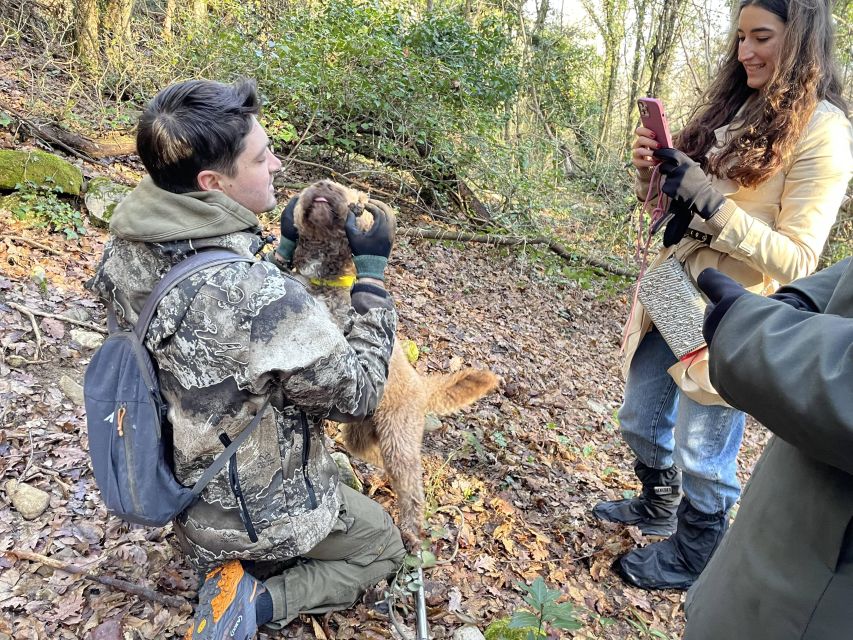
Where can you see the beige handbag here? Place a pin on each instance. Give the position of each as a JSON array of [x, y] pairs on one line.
[[675, 306]]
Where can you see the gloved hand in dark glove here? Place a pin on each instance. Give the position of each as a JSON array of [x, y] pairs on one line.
[[678, 224], [289, 234], [722, 292], [684, 181], [371, 248], [796, 300]]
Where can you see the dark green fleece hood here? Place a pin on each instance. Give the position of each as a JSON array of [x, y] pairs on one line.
[[150, 214]]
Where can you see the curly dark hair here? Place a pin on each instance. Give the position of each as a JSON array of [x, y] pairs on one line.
[[774, 117], [192, 126]]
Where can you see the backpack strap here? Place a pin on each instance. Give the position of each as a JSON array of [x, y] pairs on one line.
[[182, 270], [222, 459]]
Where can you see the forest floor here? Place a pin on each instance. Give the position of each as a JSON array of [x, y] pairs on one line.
[[510, 481]]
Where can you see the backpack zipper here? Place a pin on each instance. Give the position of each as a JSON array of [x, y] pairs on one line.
[[306, 450], [129, 459], [237, 490]]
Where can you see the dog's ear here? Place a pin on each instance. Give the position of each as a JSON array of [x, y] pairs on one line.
[[299, 212]]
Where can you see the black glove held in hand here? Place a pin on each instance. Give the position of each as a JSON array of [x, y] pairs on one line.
[[289, 234], [722, 292], [677, 226], [371, 248], [685, 181]]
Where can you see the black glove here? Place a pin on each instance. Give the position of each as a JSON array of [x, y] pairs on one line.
[[722, 292], [289, 234], [685, 181], [371, 248], [677, 226]]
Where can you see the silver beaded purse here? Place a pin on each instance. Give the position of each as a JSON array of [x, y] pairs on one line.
[[675, 306]]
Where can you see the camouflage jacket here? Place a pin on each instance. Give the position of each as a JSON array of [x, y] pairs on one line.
[[225, 340]]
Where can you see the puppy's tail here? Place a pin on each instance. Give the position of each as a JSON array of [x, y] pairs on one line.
[[450, 392]]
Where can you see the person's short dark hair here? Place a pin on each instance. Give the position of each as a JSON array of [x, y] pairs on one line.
[[194, 126]]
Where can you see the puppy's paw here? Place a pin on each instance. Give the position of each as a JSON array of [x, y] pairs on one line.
[[411, 539]]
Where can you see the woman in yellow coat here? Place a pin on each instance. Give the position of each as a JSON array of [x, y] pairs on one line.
[[756, 180]]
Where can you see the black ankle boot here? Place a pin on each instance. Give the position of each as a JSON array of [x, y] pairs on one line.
[[654, 510], [675, 563]]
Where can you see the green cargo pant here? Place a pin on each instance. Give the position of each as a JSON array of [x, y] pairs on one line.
[[363, 547]]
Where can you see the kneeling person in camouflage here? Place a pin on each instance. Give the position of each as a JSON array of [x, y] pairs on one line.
[[274, 532]]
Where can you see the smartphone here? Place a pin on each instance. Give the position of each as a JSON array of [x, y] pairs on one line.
[[653, 117]]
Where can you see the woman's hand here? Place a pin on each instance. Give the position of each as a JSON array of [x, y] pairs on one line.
[[644, 145], [684, 181]]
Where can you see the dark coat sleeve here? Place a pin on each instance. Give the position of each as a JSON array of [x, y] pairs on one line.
[[791, 369], [819, 287]]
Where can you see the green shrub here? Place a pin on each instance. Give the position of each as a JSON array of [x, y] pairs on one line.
[[43, 208]]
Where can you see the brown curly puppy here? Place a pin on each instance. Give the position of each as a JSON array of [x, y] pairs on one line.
[[392, 437]]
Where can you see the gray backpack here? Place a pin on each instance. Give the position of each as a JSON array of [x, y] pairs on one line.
[[125, 415]]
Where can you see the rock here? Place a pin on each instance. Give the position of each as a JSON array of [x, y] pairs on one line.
[[29, 501], [16, 361], [347, 473], [40, 168], [78, 314], [87, 339], [468, 633], [431, 422], [102, 196], [72, 389]]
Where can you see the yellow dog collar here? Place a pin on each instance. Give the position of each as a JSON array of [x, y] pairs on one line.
[[340, 281]]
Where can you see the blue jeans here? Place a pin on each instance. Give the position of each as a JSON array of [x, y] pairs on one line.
[[664, 427]]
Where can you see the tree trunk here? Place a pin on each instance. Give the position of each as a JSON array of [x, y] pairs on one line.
[[199, 12], [168, 17], [640, 10], [116, 30], [611, 26], [664, 44], [86, 19], [541, 15]]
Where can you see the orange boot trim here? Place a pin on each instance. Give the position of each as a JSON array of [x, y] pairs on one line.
[[231, 574]]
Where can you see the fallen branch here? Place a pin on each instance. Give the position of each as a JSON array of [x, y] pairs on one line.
[[32, 243], [490, 238], [116, 583], [56, 316], [31, 315]]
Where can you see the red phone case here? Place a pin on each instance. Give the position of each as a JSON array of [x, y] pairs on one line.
[[653, 117]]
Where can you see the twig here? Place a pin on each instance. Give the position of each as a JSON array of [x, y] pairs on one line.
[[301, 139], [116, 583], [32, 243], [23, 476], [458, 511], [56, 316], [490, 238], [31, 315]]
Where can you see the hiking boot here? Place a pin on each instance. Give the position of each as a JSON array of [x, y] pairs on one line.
[[654, 510], [226, 605], [675, 563]]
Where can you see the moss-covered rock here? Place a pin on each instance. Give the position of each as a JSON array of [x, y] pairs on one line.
[[499, 630], [102, 196], [40, 168]]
